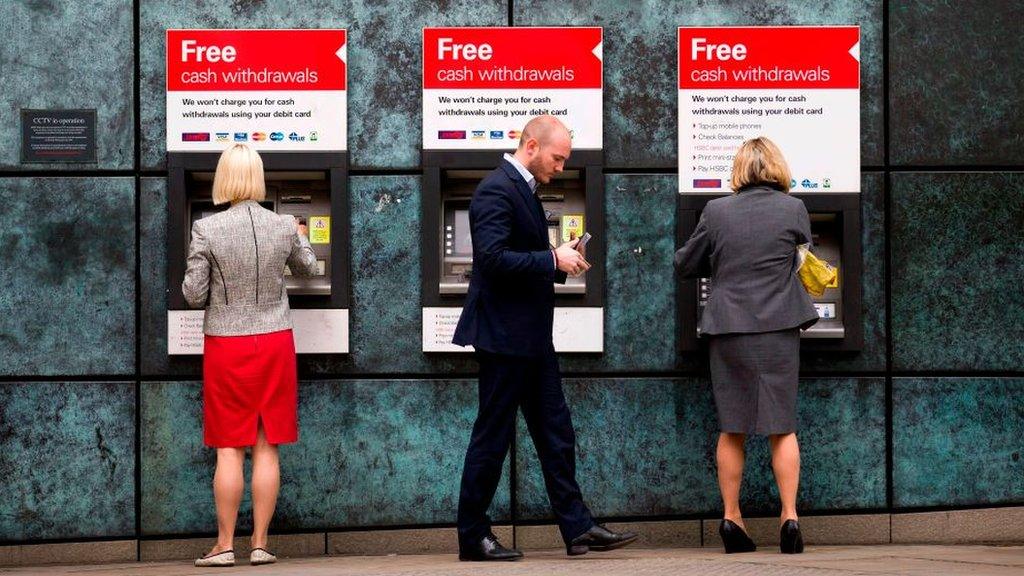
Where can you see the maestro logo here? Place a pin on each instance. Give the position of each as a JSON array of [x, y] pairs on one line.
[[258, 136], [277, 136], [513, 134]]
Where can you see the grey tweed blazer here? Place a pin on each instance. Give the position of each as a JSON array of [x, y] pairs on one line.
[[235, 269], [746, 243]]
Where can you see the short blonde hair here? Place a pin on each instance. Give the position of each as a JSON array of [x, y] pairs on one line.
[[759, 161], [239, 176]]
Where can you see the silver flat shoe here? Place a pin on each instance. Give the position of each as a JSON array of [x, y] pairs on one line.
[[218, 560], [260, 556]]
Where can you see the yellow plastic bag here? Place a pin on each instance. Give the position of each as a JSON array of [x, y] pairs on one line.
[[815, 274]]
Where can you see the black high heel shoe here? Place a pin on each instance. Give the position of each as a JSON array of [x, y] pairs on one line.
[[790, 540], [734, 538]]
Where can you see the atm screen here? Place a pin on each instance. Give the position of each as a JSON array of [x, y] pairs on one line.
[[463, 239]]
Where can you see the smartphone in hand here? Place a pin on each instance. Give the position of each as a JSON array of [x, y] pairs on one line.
[[582, 244]]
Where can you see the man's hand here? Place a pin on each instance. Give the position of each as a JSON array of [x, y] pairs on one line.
[[569, 260], [300, 226]]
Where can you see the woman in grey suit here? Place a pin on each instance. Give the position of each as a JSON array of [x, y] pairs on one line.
[[236, 265], [747, 244]]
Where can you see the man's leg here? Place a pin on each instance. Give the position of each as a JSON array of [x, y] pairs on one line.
[[500, 378], [550, 425]]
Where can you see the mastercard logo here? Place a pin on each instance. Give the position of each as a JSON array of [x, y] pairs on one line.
[[258, 136], [513, 134]]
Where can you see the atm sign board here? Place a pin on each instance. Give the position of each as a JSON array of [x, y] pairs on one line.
[[276, 90], [481, 85], [797, 85]]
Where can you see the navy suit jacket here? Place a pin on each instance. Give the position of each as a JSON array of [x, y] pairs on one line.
[[511, 302]]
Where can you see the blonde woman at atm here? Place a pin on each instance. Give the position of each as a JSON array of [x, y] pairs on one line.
[[235, 270], [746, 244]]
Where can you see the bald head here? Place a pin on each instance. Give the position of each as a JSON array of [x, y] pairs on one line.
[[544, 146], [543, 129]]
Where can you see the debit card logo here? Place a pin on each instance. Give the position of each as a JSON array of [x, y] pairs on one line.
[[277, 136], [707, 183], [451, 134], [497, 134], [241, 137]]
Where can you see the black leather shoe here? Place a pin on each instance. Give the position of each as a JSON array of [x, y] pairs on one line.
[[599, 539], [790, 540], [734, 538], [488, 549]]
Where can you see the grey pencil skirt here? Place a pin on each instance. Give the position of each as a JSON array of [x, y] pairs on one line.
[[754, 378]]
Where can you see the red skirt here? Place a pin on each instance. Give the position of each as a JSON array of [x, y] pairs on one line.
[[248, 380]]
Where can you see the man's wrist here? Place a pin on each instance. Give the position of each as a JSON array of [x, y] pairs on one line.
[[554, 256]]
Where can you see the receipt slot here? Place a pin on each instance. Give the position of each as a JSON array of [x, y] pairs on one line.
[[835, 231], [311, 187], [573, 204]]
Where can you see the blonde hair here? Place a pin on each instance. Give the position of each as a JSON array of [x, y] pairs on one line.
[[759, 161], [239, 176]]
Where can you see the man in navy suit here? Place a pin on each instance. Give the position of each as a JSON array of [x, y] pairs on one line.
[[508, 320]]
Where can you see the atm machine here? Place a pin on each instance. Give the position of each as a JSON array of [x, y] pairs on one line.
[[573, 203], [310, 186], [835, 231]]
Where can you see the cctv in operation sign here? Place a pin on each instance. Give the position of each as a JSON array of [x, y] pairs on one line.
[[799, 86], [278, 90], [481, 85]]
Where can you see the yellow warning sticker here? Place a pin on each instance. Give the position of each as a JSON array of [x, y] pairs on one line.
[[319, 229], [572, 227], [835, 281]]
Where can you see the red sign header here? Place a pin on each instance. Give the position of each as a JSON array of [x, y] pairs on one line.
[[512, 57], [256, 60], [769, 57]]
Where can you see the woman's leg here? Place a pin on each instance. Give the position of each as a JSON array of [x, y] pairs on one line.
[[266, 480], [786, 465], [228, 483], [730, 473]]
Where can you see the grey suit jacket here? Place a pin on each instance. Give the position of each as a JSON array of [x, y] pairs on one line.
[[746, 243], [236, 266]]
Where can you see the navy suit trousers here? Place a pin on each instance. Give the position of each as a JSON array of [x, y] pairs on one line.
[[533, 384]]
